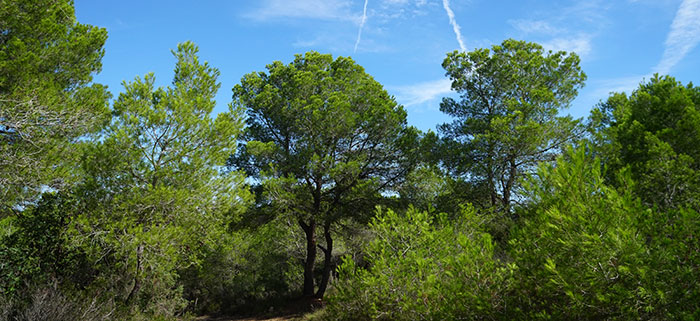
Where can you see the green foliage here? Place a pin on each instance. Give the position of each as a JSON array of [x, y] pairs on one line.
[[507, 118], [322, 128], [578, 251], [655, 133], [249, 270], [422, 267], [423, 187], [48, 302], [37, 250], [653, 136], [47, 60], [429, 188], [140, 217], [155, 195], [674, 263]]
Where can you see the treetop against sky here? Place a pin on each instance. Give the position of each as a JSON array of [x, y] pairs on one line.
[[401, 43]]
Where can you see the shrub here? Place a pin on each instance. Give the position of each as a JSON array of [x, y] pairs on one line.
[[422, 266], [578, 252]]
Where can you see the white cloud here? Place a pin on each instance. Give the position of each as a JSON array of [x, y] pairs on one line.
[[591, 13], [419, 93], [396, 2], [339, 42], [683, 37], [571, 28], [388, 10], [314, 9], [362, 24], [453, 22], [603, 88], [581, 44], [534, 26]]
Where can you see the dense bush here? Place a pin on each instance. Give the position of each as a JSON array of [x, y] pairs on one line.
[[35, 247], [653, 135], [578, 251], [422, 266], [673, 263], [249, 269], [48, 302]]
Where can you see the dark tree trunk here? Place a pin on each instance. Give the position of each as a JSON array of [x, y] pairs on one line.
[[327, 262], [492, 188], [310, 231]]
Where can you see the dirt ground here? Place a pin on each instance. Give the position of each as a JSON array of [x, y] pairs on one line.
[[292, 310], [261, 318]]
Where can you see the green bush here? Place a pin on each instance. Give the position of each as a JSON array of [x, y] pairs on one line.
[[578, 252], [247, 269], [674, 263], [422, 267], [35, 248]]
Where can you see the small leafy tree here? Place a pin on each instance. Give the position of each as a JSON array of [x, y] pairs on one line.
[[507, 118], [325, 140], [36, 249]]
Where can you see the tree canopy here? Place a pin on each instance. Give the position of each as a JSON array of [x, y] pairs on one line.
[[654, 132]]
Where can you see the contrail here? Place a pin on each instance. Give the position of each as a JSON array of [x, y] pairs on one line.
[[455, 26], [683, 37], [362, 24]]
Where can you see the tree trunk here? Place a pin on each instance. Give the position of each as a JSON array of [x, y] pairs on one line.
[[492, 187], [310, 231], [491, 178], [327, 264], [137, 277], [512, 173]]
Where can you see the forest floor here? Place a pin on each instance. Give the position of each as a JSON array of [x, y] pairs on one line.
[[295, 310], [252, 318]]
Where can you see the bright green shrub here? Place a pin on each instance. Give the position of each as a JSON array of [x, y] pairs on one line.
[[578, 251], [421, 267]]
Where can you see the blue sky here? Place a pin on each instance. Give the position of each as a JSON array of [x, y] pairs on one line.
[[401, 43]]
